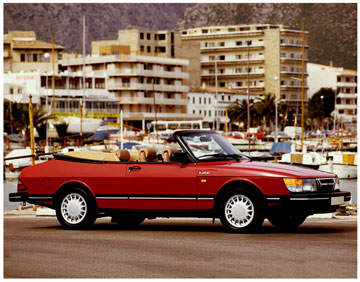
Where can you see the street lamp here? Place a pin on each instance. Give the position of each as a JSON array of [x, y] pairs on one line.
[[276, 78], [47, 56]]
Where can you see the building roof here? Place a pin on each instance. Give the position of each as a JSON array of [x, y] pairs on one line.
[[349, 72], [34, 44], [21, 33]]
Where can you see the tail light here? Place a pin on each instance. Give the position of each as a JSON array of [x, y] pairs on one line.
[[20, 186]]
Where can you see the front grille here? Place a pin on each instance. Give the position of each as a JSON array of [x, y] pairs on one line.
[[326, 184]]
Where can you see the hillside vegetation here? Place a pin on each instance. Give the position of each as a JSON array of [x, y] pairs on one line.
[[332, 27]]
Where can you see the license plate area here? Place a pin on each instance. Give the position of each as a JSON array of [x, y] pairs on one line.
[[337, 200]]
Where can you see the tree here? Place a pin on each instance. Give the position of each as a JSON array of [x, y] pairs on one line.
[[19, 119], [238, 112], [265, 107], [321, 105]]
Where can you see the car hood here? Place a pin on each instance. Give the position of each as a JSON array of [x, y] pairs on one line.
[[256, 169]]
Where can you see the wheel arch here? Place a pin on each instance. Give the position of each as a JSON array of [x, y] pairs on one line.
[[71, 185], [243, 184]]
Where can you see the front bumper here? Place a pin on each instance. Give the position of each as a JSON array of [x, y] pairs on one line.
[[307, 203]]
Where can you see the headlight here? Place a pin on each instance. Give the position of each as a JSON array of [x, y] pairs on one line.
[[300, 185]]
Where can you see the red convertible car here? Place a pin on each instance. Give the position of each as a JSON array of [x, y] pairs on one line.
[[201, 176]]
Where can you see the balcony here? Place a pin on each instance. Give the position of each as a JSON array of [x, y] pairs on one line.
[[150, 73], [158, 100], [147, 87], [230, 47], [346, 84], [232, 74], [232, 60]]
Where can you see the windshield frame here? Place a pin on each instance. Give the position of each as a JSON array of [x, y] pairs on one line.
[[231, 153]]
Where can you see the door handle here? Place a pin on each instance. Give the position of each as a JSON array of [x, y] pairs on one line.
[[130, 169]]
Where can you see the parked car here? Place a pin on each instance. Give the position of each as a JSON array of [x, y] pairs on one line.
[[204, 176]]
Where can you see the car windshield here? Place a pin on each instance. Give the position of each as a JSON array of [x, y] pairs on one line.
[[210, 145]]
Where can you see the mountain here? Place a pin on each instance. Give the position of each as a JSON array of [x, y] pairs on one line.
[[102, 20], [332, 26]]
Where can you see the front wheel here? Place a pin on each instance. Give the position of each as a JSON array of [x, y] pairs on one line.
[[241, 212], [75, 210], [286, 222]]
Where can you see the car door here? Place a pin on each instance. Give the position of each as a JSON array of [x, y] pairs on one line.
[[161, 185], [108, 182]]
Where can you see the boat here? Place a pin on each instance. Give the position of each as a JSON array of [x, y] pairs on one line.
[[89, 125], [307, 159], [343, 164]]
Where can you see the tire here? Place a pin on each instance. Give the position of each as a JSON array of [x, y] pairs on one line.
[[75, 209], [241, 212], [128, 221], [286, 222]]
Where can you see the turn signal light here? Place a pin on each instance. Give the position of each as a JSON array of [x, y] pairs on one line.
[[20, 186]]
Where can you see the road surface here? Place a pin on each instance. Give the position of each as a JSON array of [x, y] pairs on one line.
[[37, 247]]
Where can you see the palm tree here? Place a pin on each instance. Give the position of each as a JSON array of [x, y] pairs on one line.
[[238, 112], [265, 107]]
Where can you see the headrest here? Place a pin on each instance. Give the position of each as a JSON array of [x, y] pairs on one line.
[[123, 155], [146, 154], [167, 152]]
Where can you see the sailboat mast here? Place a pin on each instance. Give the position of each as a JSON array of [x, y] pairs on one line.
[[302, 84]]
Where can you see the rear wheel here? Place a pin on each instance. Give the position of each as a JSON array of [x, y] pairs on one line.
[[241, 212], [75, 209], [286, 222]]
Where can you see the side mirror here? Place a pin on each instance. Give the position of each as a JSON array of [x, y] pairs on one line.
[[180, 157]]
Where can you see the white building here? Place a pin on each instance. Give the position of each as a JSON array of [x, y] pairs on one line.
[[211, 106], [344, 83], [322, 76]]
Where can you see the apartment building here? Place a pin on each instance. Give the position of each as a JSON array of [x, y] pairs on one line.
[[22, 52], [261, 57], [162, 43], [144, 86], [346, 100], [68, 92]]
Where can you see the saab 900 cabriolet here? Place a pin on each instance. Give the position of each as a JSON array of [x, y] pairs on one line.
[[201, 176]]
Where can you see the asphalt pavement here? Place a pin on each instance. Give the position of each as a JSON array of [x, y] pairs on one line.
[[37, 247]]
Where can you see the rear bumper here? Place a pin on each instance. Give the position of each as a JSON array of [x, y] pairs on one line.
[[37, 199], [307, 203]]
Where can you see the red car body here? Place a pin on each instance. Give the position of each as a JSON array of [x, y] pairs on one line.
[[185, 186]]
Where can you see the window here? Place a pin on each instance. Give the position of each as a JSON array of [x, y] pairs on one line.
[[204, 31], [238, 43], [193, 100], [11, 90], [162, 36], [193, 111], [19, 90], [221, 44], [238, 57], [209, 100], [148, 36], [142, 48], [222, 84], [28, 57], [148, 49], [222, 57], [141, 35], [22, 57], [41, 57], [239, 83], [199, 100]]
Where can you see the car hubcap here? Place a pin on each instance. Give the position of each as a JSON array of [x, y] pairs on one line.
[[239, 211], [73, 208]]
